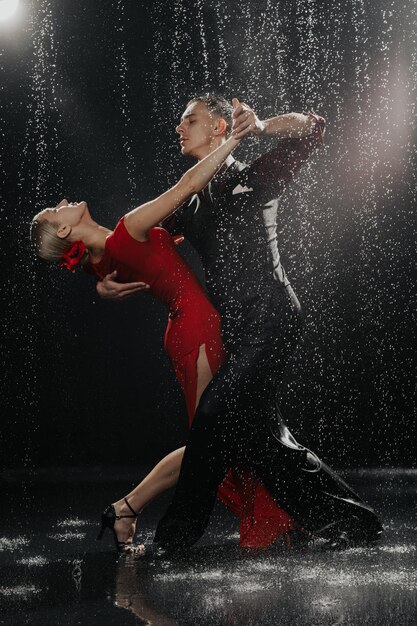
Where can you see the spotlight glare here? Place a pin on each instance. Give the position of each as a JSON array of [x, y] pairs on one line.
[[7, 9]]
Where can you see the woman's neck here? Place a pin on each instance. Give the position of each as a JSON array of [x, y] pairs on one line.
[[94, 237]]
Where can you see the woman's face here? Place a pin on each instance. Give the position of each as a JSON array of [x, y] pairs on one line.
[[68, 213]]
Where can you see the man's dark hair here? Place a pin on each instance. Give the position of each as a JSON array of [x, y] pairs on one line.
[[217, 105]]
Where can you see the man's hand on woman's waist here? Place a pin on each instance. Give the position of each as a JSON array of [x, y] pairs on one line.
[[110, 289]]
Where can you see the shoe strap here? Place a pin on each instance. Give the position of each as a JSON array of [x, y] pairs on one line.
[[130, 508]]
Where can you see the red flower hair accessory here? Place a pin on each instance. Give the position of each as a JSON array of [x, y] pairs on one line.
[[73, 256]]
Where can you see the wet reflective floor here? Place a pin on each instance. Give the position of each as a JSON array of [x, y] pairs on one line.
[[53, 571]]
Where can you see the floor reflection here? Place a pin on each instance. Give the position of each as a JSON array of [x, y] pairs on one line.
[[132, 594], [52, 571]]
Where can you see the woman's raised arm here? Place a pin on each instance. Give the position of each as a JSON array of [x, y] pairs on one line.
[[141, 219]]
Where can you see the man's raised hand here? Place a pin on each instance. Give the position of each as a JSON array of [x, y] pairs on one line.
[[245, 120], [110, 289]]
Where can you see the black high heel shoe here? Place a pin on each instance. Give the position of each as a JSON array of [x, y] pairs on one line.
[[108, 519]]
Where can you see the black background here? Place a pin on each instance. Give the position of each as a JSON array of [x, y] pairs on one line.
[[90, 96]]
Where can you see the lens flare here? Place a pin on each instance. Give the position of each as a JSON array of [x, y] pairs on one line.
[[8, 9]]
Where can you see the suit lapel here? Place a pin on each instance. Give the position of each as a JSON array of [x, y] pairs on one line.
[[221, 187]]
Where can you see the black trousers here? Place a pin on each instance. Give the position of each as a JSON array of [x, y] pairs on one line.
[[237, 424]]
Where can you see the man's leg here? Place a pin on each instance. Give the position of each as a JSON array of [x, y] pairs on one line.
[[315, 496], [231, 419], [223, 425], [232, 427]]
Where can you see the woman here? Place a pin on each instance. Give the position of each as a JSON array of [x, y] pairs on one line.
[[139, 250]]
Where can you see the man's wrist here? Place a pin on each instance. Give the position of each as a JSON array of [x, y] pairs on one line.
[[261, 128]]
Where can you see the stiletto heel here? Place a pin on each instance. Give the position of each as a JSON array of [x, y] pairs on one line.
[[108, 519]]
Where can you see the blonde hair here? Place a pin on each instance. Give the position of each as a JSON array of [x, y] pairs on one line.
[[46, 242]]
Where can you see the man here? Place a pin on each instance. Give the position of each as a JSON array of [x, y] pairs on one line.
[[232, 225]]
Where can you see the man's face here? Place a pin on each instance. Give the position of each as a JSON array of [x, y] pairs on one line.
[[197, 131]]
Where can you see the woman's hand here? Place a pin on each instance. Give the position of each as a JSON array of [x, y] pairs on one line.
[[110, 289], [245, 121]]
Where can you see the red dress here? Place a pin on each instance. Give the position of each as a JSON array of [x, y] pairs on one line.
[[193, 322]]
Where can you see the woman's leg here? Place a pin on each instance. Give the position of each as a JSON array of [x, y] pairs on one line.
[[165, 474], [162, 477], [204, 373]]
